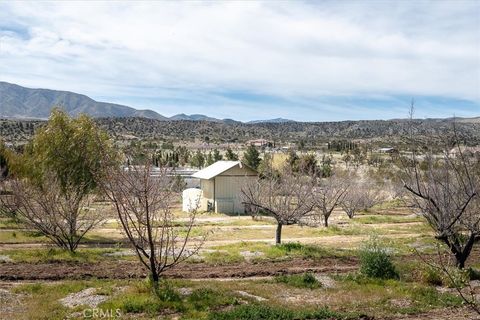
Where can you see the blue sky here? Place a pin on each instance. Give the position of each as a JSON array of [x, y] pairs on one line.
[[302, 60]]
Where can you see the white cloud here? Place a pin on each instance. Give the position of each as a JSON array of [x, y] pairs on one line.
[[292, 50]]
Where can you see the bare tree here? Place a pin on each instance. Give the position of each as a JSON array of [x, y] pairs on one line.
[[361, 195], [143, 200], [60, 213], [329, 194], [286, 197], [446, 192]]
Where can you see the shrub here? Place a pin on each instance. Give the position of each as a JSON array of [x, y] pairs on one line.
[[164, 291], [375, 262], [432, 276], [473, 274], [306, 280]]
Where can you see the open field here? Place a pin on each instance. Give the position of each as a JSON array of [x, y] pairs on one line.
[[238, 273]]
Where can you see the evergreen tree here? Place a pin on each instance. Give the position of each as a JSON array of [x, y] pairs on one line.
[[198, 160], [292, 160], [230, 155], [252, 157], [216, 155], [209, 160]]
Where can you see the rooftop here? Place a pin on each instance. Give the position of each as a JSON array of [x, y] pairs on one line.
[[216, 169]]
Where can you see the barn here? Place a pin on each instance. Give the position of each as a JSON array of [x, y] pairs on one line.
[[220, 187]]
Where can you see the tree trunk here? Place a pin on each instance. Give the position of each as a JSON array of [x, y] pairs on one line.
[[278, 234], [154, 276], [461, 254], [325, 220]]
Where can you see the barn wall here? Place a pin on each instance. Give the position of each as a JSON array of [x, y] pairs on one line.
[[207, 188], [228, 190]]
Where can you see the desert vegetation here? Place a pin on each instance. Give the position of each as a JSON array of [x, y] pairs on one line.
[[91, 221]]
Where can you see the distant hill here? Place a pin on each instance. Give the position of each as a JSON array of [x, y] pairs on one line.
[[434, 132], [193, 117], [20, 102], [276, 120]]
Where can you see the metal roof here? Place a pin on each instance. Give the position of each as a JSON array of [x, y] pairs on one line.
[[216, 169]]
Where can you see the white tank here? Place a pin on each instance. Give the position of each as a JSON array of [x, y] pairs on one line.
[[192, 200]]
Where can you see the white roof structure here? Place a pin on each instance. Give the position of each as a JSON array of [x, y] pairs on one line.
[[216, 169]]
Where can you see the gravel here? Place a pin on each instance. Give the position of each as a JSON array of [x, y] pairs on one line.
[[85, 297]]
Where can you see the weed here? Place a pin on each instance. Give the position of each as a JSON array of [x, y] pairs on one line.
[[205, 298], [255, 311], [306, 280], [375, 262]]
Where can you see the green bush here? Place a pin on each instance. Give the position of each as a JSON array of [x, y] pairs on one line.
[[375, 262], [432, 276], [261, 312], [473, 274], [306, 280]]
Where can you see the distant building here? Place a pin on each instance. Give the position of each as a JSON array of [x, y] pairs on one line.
[[220, 187], [387, 150], [259, 143]]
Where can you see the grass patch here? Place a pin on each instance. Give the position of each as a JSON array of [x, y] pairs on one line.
[[9, 223], [21, 236], [232, 253], [379, 294], [376, 219], [42, 300], [139, 299], [256, 311], [335, 230], [223, 257], [46, 255], [306, 280]]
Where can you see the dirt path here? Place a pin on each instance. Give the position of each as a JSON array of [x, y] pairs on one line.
[[337, 240], [127, 269]]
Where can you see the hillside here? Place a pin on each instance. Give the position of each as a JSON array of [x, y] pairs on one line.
[[386, 132], [20, 102]]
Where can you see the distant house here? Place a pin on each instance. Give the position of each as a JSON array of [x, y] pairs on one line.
[[220, 187], [259, 143], [387, 150]]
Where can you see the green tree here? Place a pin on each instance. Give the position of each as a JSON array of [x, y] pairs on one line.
[[230, 155], [72, 149], [308, 164], [252, 157], [216, 155], [167, 145], [209, 159], [59, 169], [326, 166], [198, 160], [4, 160], [292, 160]]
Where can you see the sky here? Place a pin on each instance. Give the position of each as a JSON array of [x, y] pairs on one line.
[[246, 60]]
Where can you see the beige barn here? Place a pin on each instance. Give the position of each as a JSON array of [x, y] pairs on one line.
[[220, 187]]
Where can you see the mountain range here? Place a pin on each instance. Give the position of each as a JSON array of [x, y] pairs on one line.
[[19, 102]]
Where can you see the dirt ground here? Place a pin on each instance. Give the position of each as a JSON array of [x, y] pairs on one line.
[[127, 269]]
